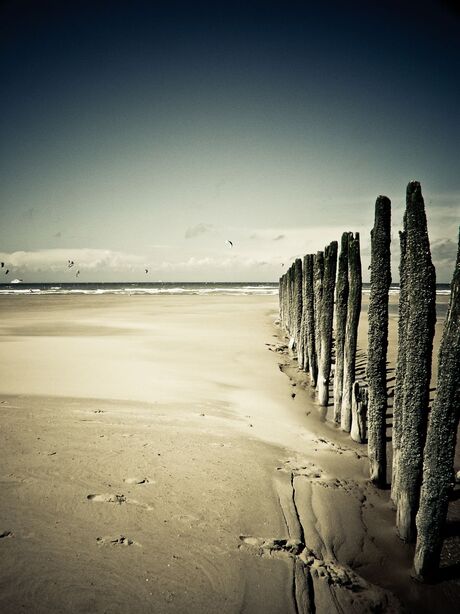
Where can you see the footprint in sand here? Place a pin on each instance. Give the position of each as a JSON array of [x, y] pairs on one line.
[[137, 480], [107, 498], [334, 447], [116, 541], [316, 475], [118, 499], [272, 546], [305, 468]]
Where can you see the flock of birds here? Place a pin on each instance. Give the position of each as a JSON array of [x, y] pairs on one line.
[[71, 263]]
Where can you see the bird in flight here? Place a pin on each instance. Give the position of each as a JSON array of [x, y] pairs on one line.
[[7, 271], [3, 264], [146, 270], [78, 273], [70, 263], [229, 242]]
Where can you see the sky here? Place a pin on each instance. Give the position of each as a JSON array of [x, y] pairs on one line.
[[143, 134]]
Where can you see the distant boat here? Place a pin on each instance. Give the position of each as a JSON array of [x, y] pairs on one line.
[[16, 281]]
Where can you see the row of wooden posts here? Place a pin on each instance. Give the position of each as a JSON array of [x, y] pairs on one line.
[[320, 306]]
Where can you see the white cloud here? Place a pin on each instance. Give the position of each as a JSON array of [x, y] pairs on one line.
[[305, 240], [54, 260], [214, 263], [199, 229]]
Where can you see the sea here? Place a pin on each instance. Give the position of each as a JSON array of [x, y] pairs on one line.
[[159, 288]]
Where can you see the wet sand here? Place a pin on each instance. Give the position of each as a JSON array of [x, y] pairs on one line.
[[164, 454]]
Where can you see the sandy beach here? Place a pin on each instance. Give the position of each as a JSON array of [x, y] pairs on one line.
[[164, 454]]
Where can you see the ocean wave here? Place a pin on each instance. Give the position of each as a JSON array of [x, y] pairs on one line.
[[166, 289], [142, 290]]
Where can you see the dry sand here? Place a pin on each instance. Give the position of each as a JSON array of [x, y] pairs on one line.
[[163, 454]]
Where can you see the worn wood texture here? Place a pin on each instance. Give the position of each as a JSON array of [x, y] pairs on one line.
[[341, 303], [351, 331], [297, 298], [326, 322], [359, 407], [400, 365], [318, 275], [440, 444], [378, 340], [308, 264], [302, 352], [419, 331]]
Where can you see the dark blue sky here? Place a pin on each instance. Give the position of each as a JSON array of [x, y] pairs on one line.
[[148, 132]]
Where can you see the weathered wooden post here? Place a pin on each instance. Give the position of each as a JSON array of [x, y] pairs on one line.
[[308, 263], [351, 331], [297, 301], [421, 318], [440, 442], [378, 340], [318, 274], [400, 366], [287, 301], [290, 302], [341, 301], [359, 406], [302, 352], [281, 300], [326, 321]]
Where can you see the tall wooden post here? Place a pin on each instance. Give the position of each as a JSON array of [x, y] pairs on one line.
[[421, 318], [302, 352], [378, 340], [400, 366], [286, 302], [280, 300], [297, 302], [308, 263], [326, 320], [290, 300], [318, 274], [351, 332], [440, 443], [341, 302]]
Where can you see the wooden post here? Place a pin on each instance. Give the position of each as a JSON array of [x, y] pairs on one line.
[[297, 302], [290, 302], [341, 301], [378, 340], [351, 332], [359, 406], [440, 443], [281, 300], [286, 302], [318, 274], [310, 318], [400, 366], [302, 353], [421, 318], [325, 322]]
